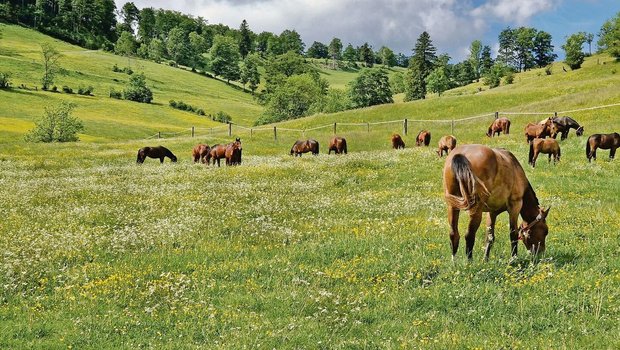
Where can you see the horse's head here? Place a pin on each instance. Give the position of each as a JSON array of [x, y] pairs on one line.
[[173, 158], [533, 234], [554, 130], [579, 131], [237, 144]]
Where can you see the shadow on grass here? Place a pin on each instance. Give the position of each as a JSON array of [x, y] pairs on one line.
[[20, 91]]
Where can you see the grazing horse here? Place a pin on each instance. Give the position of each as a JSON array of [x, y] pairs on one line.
[[424, 137], [562, 125], [201, 153], [499, 125], [546, 146], [305, 146], [397, 142], [338, 145], [160, 152], [539, 130], [447, 144], [480, 179], [233, 152], [602, 141], [218, 151]]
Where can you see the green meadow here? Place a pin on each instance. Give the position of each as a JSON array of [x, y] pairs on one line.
[[328, 252]]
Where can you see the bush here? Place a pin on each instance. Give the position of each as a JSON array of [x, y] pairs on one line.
[[85, 91], [67, 89], [116, 94], [56, 125], [200, 111], [509, 78], [137, 90], [5, 80], [54, 88], [115, 68], [222, 117], [185, 107], [173, 103]]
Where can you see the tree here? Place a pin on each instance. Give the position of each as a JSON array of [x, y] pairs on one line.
[[507, 42], [129, 13], [475, 57], [317, 50], [524, 44], [245, 39], [298, 96], [156, 50], [371, 87], [609, 37], [464, 73], [438, 81], [495, 75], [337, 100], [279, 68], [334, 51], [388, 58], [366, 55], [486, 62], [290, 40], [349, 54], [249, 72], [543, 49], [137, 90], [56, 125], [420, 66], [573, 48], [177, 46], [262, 42], [225, 58], [50, 64], [146, 25], [198, 46], [125, 45], [397, 82]]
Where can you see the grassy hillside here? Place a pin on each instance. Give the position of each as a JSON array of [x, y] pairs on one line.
[[105, 118]]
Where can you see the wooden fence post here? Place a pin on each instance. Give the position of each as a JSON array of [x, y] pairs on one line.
[[555, 114], [159, 134], [229, 129], [496, 115], [405, 126], [334, 128], [368, 127], [251, 132], [275, 133], [192, 131], [452, 128]]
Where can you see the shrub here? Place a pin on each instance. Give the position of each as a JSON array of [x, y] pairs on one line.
[[5, 80], [56, 125], [54, 88], [200, 111], [222, 117], [85, 91], [67, 89], [185, 107], [509, 78], [116, 94], [115, 68], [173, 103], [137, 90]]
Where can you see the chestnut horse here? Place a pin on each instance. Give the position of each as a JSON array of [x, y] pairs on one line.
[[499, 125], [305, 146], [540, 130], [447, 144], [562, 125], [217, 152], [602, 141], [480, 179], [338, 145], [546, 146], [397, 142], [201, 153], [424, 137], [160, 152], [233, 152]]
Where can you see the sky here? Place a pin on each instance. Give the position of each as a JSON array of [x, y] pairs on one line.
[[452, 24]]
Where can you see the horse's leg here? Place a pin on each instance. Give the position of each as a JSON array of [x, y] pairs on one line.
[[453, 220], [612, 152], [593, 153], [534, 158], [470, 238], [550, 159], [490, 239], [161, 160], [513, 216]]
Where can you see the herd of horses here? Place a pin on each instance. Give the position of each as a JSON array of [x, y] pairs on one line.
[[476, 178]]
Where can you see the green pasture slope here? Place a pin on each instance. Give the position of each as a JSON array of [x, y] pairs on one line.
[[314, 252]]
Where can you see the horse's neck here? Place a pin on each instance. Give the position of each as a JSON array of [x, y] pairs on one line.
[[529, 210]]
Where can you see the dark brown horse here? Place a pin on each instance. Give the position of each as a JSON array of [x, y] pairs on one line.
[[233, 152], [479, 179], [447, 144], [602, 141], [397, 142], [498, 126], [217, 152], [540, 130], [160, 152], [562, 125], [305, 146], [201, 153], [338, 145], [547, 146], [423, 138]]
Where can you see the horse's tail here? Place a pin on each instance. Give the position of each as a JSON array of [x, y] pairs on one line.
[[467, 180], [344, 146], [508, 127], [531, 155], [588, 147], [139, 160], [490, 130]]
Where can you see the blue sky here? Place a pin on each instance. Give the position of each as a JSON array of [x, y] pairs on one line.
[[452, 24]]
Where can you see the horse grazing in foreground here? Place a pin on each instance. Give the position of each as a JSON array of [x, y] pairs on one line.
[[602, 141], [480, 179], [498, 126], [338, 145], [447, 144], [424, 137], [201, 153], [233, 152], [539, 130], [305, 146], [562, 125], [160, 152], [397, 142], [546, 146]]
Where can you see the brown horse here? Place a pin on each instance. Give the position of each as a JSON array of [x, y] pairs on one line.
[[397, 142], [499, 125], [562, 125], [160, 152], [479, 179], [217, 152], [447, 144], [305, 146], [233, 152], [602, 141], [201, 153], [338, 145], [546, 146], [424, 137], [539, 130]]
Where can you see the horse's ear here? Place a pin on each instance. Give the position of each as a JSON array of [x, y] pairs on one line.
[[544, 212]]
